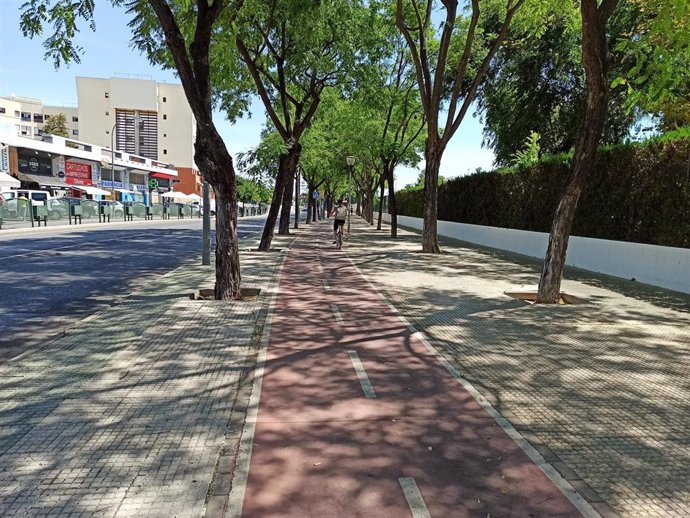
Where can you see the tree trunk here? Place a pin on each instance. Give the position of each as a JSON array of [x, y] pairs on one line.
[[432, 154], [392, 207], [206, 226], [272, 217], [372, 199], [594, 58], [296, 224], [383, 186], [291, 164], [227, 247], [310, 203], [215, 164], [284, 223]]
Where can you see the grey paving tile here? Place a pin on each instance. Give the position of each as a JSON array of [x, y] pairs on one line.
[[602, 385]]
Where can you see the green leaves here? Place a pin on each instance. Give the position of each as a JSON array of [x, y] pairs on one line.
[[64, 16]]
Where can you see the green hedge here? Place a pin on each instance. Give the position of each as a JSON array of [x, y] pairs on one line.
[[637, 192]]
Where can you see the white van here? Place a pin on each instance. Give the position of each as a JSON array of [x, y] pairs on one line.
[[36, 197]]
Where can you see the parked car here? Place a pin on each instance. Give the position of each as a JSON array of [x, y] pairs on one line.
[[58, 208], [200, 207], [118, 209]]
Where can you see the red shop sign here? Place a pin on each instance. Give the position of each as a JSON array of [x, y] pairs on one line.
[[77, 181], [76, 170]]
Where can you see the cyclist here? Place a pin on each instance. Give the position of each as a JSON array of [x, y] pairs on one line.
[[340, 214]]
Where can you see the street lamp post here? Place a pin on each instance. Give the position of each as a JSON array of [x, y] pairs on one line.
[[350, 162], [112, 163]]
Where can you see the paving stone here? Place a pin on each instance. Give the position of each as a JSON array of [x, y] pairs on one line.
[[128, 414], [602, 385]]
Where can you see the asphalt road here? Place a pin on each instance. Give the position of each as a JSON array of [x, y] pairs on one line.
[[50, 280]]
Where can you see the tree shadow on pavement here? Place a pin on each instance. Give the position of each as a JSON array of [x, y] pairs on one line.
[[603, 384]]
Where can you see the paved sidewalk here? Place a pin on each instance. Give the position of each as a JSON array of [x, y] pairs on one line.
[[135, 411], [358, 418], [139, 410], [601, 389]]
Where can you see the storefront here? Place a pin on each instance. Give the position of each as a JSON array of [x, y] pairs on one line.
[[32, 162], [77, 173]]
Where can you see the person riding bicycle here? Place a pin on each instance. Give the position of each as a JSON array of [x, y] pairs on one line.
[[340, 215]]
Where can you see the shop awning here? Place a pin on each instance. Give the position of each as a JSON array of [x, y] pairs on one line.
[[94, 191], [8, 181], [49, 181], [162, 176]]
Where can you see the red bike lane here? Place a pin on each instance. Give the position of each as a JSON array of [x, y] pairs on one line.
[[358, 419]]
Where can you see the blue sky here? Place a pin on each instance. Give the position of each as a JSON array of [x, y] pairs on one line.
[[24, 72]]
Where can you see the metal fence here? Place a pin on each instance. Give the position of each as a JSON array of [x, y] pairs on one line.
[[22, 213]]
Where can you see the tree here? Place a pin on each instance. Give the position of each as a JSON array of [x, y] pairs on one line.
[[394, 93], [56, 125], [293, 52], [658, 54], [542, 80], [660, 47], [176, 34], [449, 71], [595, 61]]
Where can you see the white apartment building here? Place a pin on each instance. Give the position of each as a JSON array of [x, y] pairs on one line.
[[150, 119], [26, 117]]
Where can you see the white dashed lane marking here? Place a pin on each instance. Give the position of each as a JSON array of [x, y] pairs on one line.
[[414, 498], [362, 375]]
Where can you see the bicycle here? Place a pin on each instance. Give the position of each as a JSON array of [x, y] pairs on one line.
[[339, 237]]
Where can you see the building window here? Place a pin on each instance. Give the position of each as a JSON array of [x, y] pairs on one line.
[[107, 95], [26, 130], [46, 117], [38, 118], [16, 113], [26, 117], [107, 113], [2, 110], [165, 100], [165, 117], [75, 132], [75, 119], [165, 134], [165, 151]]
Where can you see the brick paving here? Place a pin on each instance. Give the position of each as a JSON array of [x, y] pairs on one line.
[[602, 388], [129, 413], [137, 410]]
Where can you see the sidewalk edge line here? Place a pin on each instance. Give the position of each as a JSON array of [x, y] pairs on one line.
[[244, 455], [578, 501]]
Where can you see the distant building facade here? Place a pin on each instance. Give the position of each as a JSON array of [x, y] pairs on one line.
[[150, 119], [26, 117]]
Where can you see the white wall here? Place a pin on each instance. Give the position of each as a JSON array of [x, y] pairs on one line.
[[94, 125], [661, 266], [176, 130]]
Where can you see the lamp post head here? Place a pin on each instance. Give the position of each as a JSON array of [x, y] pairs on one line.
[[350, 160]]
